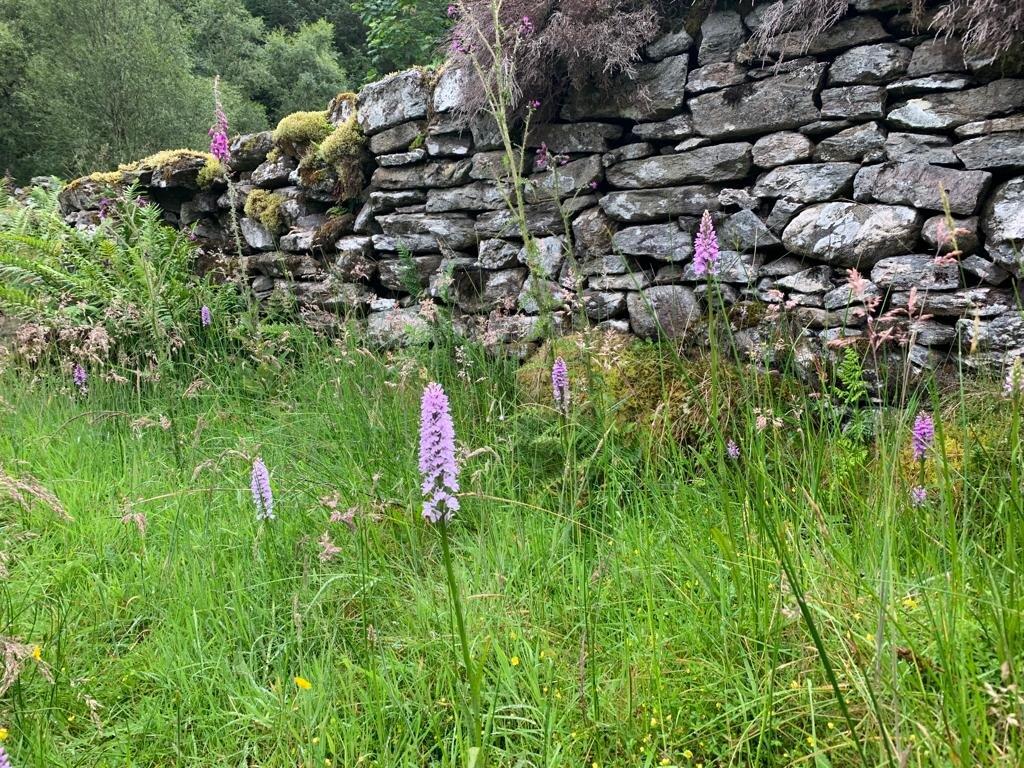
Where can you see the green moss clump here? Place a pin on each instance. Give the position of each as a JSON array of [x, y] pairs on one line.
[[298, 132], [342, 151], [265, 207], [168, 159], [418, 142], [211, 173]]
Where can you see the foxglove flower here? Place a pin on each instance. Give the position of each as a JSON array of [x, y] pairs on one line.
[[262, 496], [81, 378], [918, 495], [923, 435], [732, 450], [560, 384], [5, 761], [438, 468], [705, 259], [205, 316], [1014, 384], [219, 132]]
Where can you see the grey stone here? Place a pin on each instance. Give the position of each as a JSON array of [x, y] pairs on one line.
[[985, 127], [687, 144], [937, 234], [862, 143], [432, 174], [538, 293], [575, 137], [781, 267], [606, 264], [864, 182], [743, 231], [721, 34], [713, 77], [673, 129], [869, 64], [920, 148], [282, 264], [328, 294], [488, 166], [825, 127], [909, 86], [478, 196], [541, 219], [670, 44], [853, 102], [732, 267], [851, 234], [547, 260], [565, 180], [393, 100], [647, 205], [722, 162], [985, 270], [592, 234], [452, 231], [628, 152], [604, 305], [782, 213], [901, 273], [397, 328], [669, 310], [930, 333], [807, 183], [449, 145], [848, 33], [843, 296], [408, 274], [397, 139], [943, 111], [631, 281], [381, 201], [662, 86], [354, 258], [666, 242], [451, 88], [1003, 224], [998, 150], [812, 280], [921, 185], [401, 158], [967, 302], [298, 241], [938, 55], [485, 132], [258, 237], [498, 254], [781, 149], [478, 290], [735, 198], [773, 104], [272, 175], [249, 150]]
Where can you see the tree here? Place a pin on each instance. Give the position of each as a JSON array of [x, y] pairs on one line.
[[401, 33], [227, 40], [304, 71]]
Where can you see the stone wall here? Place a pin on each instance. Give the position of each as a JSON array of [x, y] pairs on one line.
[[835, 159]]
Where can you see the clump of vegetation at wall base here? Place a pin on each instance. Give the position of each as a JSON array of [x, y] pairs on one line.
[[265, 207]]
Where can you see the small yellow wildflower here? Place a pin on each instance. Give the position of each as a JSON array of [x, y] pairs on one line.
[[909, 603], [316, 739], [4, 733], [303, 683], [810, 741], [830, 726], [654, 721], [37, 653], [514, 661], [665, 761], [687, 754]]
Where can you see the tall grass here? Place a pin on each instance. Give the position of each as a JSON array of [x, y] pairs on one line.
[[633, 595]]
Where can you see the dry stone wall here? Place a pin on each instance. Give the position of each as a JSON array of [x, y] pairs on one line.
[[841, 157]]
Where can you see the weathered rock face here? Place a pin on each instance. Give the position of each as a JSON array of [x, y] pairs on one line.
[[812, 161]]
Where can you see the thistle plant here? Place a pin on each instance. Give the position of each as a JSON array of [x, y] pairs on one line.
[[439, 473], [262, 496]]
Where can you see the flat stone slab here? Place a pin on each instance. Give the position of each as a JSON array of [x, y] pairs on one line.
[[722, 162], [852, 234]]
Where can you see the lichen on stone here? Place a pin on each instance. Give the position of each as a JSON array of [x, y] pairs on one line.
[[265, 207], [298, 132]]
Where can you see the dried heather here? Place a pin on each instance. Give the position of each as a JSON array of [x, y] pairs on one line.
[[438, 467]]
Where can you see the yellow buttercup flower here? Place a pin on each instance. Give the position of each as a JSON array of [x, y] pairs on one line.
[[4, 733], [303, 683], [687, 754], [514, 661], [37, 653]]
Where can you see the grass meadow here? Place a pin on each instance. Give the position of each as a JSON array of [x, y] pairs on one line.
[[634, 594]]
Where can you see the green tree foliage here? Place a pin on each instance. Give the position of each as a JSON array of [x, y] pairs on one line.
[[304, 70], [401, 33]]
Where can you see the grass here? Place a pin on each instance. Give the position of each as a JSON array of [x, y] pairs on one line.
[[632, 600]]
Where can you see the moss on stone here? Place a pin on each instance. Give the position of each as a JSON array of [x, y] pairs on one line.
[[212, 172], [342, 151], [168, 159], [265, 207], [298, 132]]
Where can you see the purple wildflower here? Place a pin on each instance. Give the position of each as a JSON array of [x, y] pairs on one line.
[[534, 104], [262, 496], [923, 435], [81, 378], [918, 495], [219, 132], [560, 384], [458, 47], [1014, 384], [732, 450], [705, 259], [5, 761], [526, 27], [453, 11], [205, 316], [437, 456], [105, 205], [543, 157]]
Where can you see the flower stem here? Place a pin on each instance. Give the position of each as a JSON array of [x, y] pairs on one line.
[[460, 622]]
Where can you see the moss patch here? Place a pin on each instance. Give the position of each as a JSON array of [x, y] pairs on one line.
[[300, 131], [211, 173], [342, 151], [265, 207]]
